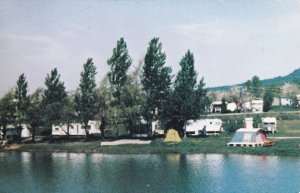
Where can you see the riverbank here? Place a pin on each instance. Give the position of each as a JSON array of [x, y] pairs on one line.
[[207, 145]]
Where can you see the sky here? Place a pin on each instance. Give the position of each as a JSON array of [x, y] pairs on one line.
[[232, 40]]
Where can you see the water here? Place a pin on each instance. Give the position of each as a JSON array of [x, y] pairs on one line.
[[72, 172]]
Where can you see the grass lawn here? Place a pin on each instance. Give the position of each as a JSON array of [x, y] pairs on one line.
[[211, 144], [288, 128]]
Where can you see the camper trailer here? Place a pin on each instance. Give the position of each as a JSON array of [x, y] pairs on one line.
[[76, 129], [203, 126], [269, 124], [216, 107], [13, 133], [232, 107], [141, 128]]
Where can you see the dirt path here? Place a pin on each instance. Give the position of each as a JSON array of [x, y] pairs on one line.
[[283, 137]]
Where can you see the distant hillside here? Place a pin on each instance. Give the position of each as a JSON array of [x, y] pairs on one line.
[[283, 79], [277, 80]]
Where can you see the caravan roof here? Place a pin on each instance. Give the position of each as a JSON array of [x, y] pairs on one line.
[[269, 120]]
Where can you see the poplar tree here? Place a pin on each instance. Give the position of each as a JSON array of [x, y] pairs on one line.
[[7, 111], [86, 103], [189, 98], [54, 99], [156, 80], [22, 102], [254, 86], [35, 112], [119, 63]]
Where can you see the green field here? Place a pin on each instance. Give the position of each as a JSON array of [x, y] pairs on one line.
[[211, 144], [288, 128]]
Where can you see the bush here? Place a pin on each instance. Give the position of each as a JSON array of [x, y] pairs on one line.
[[232, 126]]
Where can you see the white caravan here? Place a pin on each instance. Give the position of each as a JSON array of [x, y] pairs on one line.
[[269, 124], [203, 126], [12, 131], [231, 107], [76, 129]]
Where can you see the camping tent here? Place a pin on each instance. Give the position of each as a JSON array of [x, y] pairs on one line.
[[172, 136], [248, 137]]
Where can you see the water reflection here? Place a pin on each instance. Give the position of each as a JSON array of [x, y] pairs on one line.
[[77, 172]]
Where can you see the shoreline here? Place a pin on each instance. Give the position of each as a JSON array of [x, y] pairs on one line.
[[209, 145]]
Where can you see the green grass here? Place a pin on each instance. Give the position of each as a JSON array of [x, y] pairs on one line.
[[289, 128], [208, 145]]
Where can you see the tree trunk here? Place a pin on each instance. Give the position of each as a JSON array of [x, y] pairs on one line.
[[86, 131], [102, 129], [33, 135], [19, 129], [68, 130], [184, 129], [4, 131]]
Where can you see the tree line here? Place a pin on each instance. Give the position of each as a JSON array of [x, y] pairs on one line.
[[150, 91]]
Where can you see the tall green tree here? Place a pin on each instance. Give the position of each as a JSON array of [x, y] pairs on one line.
[[156, 80], [254, 86], [7, 111], [22, 102], [86, 100], [224, 105], [54, 99], [189, 98], [268, 100], [35, 112], [119, 63]]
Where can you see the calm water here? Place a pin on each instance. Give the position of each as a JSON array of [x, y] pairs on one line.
[[72, 172]]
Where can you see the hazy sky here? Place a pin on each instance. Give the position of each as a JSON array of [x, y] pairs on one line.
[[232, 40]]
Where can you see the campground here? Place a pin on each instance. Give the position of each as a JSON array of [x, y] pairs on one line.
[[287, 143]]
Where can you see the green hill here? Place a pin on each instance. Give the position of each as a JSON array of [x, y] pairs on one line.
[[277, 80]]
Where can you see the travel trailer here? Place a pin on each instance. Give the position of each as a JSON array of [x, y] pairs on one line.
[[141, 128], [285, 101], [216, 107], [12, 131], [269, 124], [203, 126], [76, 129], [231, 107]]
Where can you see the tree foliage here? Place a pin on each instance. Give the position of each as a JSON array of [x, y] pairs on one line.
[[54, 99], [268, 100], [188, 99], [119, 64], [224, 105], [254, 86], [86, 100], [7, 111], [156, 80], [131, 97], [22, 102], [35, 111]]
